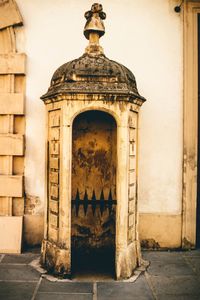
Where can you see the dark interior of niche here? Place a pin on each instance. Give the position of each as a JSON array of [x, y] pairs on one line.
[[93, 173]]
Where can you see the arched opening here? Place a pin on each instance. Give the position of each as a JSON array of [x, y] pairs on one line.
[[94, 147]]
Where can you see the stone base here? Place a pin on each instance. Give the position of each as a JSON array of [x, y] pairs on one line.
[[56, 260], [128, 261]]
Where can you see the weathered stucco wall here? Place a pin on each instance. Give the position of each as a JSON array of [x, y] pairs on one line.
[[145, 36]]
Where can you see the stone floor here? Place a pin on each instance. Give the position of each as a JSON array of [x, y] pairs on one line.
[[171, 275]]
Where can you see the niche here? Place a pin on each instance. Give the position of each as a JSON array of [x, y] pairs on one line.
[[94, 145]]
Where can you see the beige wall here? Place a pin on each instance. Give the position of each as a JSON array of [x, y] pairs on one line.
[[145, 36]]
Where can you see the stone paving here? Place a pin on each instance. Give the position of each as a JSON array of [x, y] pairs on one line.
[[171, 275]]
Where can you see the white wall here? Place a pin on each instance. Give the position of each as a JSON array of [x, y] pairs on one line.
[[145, 36]]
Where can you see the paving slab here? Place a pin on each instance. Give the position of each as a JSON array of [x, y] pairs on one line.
[[65, 287], [124, 291], [50, 296], [191, 253], [180, 285], [173, 275], [195, 262], [17, 272], [178, 297], [160, 268], [164, 256], [16, 290], [19, 258]]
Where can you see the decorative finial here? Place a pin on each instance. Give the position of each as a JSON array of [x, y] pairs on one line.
[[94, 28]]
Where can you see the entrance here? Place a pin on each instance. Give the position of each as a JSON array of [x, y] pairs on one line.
[[94, 146]]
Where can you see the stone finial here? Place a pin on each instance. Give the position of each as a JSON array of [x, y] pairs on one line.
[[94, 28]]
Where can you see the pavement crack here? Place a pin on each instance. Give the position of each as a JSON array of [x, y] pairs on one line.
[[2, 257], [147, 277], [189, 263], [36, 289], [64, 293], [94, 291]]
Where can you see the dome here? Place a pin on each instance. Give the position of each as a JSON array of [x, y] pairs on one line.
[[93, 74]]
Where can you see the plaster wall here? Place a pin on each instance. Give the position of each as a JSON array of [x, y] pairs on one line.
[[145, 36]]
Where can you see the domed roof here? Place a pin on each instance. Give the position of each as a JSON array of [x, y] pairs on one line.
[[93, 74]]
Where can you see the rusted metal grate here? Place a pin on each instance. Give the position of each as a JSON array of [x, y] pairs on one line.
[[94, 202]]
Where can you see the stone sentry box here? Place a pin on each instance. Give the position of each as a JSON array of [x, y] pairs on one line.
[[92, 110]]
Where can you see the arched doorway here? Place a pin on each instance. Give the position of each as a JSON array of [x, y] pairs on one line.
[[94, 146]]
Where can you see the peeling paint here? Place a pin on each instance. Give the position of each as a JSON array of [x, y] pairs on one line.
[[32, 204], [187, 244]]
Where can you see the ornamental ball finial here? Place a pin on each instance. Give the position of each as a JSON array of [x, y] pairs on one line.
[[94, 23]]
